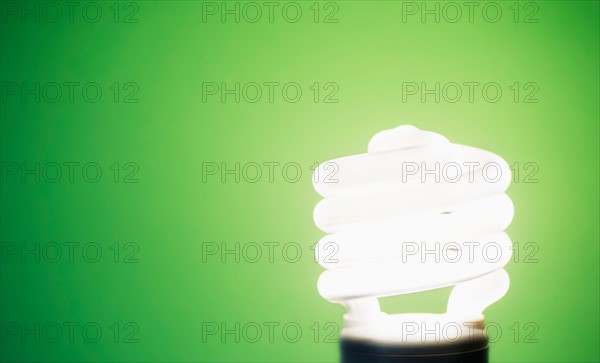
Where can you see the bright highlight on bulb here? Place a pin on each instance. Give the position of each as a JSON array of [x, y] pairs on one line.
[[415, 213]]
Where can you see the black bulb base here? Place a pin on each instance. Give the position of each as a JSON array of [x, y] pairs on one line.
[[358, 351]]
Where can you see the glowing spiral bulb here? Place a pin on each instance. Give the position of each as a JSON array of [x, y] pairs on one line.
[[389, 210]]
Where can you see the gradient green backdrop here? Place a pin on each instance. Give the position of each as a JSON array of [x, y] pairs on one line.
[[550, 313]]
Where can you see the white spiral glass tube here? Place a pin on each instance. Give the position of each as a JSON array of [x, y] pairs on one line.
[[415, 213]]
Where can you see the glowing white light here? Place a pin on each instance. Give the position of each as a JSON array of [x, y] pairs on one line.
[[414, 213]]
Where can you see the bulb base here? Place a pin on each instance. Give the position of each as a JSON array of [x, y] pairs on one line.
[[359, 351]]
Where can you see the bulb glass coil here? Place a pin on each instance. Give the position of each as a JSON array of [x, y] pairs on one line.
[[412, 192]]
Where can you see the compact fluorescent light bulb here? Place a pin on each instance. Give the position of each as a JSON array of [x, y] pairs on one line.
[[415, 213]]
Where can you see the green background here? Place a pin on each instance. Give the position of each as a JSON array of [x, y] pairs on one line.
[[551, 310]]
